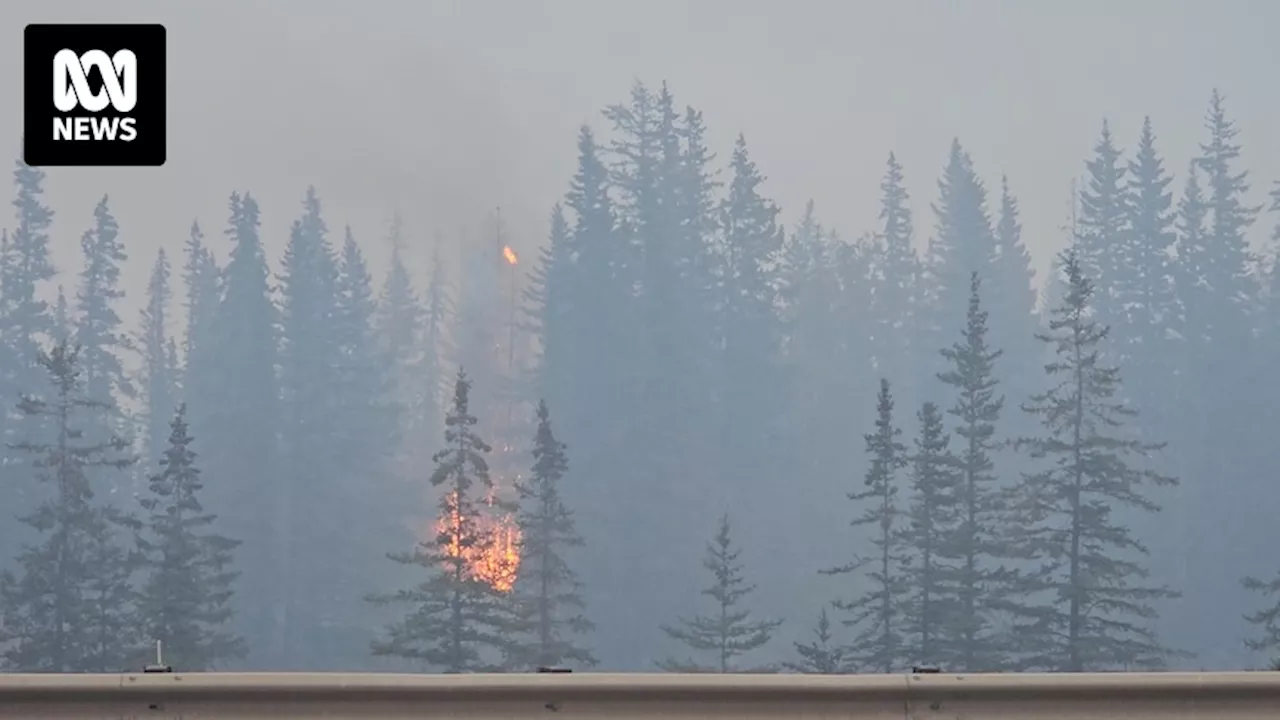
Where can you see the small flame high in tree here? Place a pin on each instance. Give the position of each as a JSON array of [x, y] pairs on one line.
[[1083, 604], [456, 614], [730, 632], [548, 594]]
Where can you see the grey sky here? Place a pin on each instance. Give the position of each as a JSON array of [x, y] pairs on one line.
[[446, 109]]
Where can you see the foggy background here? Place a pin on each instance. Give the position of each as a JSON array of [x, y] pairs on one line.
[[442, 111], [448, 109]]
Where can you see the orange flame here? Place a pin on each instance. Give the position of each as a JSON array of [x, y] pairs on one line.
[[510, 255], [495, 557]]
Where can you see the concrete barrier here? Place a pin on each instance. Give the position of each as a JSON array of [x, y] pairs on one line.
[[206, 696]]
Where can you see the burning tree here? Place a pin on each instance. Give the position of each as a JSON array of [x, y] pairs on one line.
[[459, 610]]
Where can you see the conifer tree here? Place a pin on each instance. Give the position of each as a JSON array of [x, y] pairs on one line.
[[975, 545], [934, 518], [454, 616], [202, 281], [185, 599], [822, 656], [728, 633], [1084, 603], [240, 427], [69, 606], [99, 334], [1104, 224], [159, 384], [551, 608], [896, 277], [25, 324], [876, 613], [1266, 620]]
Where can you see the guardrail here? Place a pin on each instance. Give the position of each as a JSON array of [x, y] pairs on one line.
[[337, 696]]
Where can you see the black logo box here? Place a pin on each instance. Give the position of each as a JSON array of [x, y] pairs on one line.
[[41, 43]]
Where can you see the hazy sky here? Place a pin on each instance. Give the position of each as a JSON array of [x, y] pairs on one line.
[[446, 109]]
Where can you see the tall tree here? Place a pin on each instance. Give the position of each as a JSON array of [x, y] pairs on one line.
[[1084, 606], [728, 632], [454, 615], [548, 589], [876, 613], [69, 606], [895, 274], [185, 600], [933, 519], [159, 384], [240, 423], [99, 327], [309, 485], [25, 323], [963, 243], [202, 281], [1104, 224], [823, 656], [976, 548]]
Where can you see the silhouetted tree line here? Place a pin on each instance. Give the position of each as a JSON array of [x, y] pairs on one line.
[[232, 487]]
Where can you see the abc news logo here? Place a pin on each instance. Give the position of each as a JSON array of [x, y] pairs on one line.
[[108, 101]]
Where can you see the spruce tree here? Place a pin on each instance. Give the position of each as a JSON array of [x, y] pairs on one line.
[[1266, 620], [876, 614], [975, 546], [202, 282], [934, 518], [728, 632], [1104, 225], [454, 616], [69, 607], [99, 333], [1084, 604], [822, 656], [185, 599], [239, 431], [548, 591], [25, 323], [159, 384], [896, 271]]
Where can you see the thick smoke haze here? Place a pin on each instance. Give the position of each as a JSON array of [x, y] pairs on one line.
[[699, 356], [447, 109]]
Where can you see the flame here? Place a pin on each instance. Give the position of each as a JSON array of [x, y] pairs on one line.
[[495, 559], [510, 255]]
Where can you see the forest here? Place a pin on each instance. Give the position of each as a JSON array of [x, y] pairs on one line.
[[685, 437]]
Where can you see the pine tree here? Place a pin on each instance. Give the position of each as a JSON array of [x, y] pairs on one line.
[[934, 520], [202, 280], [975, 546], [550, 594], [240, 425], [1084, 605], [69, 607], [963, 243], [822, 656], [25, 323], [896, 271], [1104, 224], [99, 327], [454, 615], [185, 600], [876, 613], [159, 383], [729, 632]]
